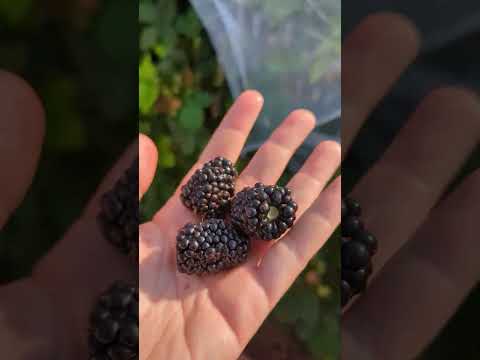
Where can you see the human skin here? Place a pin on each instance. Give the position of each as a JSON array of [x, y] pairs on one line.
[[427, 261], [43, 316], [186, 317]]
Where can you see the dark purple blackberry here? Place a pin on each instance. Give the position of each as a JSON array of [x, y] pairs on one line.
[[113, 331], [210, 189], [358, 247], [118, 216], [210, 247], [264, 212]]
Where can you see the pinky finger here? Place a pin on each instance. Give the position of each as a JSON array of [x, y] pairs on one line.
[[288, 257]]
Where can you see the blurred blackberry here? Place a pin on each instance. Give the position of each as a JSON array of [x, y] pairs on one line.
[[210, 247], [118, 216], [358, 247], [264, 212], [113, 331], [210, 189]]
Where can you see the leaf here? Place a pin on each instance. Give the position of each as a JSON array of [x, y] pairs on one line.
[[188, 25], [148, 85], [148, 37], [308, 313], [191, 116], [201, 99], [300, 308], [161, 50], [145, 127], [147, 12], [188, 143], [166, 156]]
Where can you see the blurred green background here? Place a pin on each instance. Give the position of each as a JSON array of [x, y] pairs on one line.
[[81, 58], [182, 98]]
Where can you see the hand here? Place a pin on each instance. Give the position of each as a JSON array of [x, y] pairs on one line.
[[427, 260], [213, 317], [45, 316]]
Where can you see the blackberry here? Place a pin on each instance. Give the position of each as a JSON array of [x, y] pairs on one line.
[[113, 331], [118, 216], [358, 247], [210, 247], [210, 189], [265, 212]]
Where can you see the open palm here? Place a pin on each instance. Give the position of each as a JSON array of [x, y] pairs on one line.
[[427, 260], [42, 316], [188, 317]]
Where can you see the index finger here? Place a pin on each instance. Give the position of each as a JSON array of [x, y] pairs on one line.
[[230, 136]]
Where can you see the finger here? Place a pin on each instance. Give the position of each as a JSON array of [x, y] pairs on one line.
[[288, 257], [398, 192], [437, 268], [227, 141], [310, 180], [21, 137], [307, 184], [125, 161], [230, 136], [148, 157], [279, 269], [271, 159], [373, 57]]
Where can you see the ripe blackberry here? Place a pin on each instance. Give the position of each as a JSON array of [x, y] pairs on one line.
[[358, 247], [210, 189], [118, 216], [265, 212], [210, 247], [113, 332]]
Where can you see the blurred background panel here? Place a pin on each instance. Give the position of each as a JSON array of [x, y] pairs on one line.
[[183, 95], [449, 56], [81, 58]]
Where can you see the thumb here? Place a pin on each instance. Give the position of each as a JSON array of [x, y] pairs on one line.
[[21, 138], [148, 157]]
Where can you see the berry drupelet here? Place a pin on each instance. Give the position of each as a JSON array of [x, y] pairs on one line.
[[210, 189], [358, 247], [264, 212], [118, 216], [210, 247], [113, 332]]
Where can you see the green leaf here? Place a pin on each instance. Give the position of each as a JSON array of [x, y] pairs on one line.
[[191, 116], [161, 50], [201, 99], [147, 12], [148, 85], [145, 127], [166, 156], [148, 37], [187, 142], [286, 311], [188, 25]]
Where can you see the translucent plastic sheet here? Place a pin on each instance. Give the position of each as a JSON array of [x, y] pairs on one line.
[[287, 49]]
